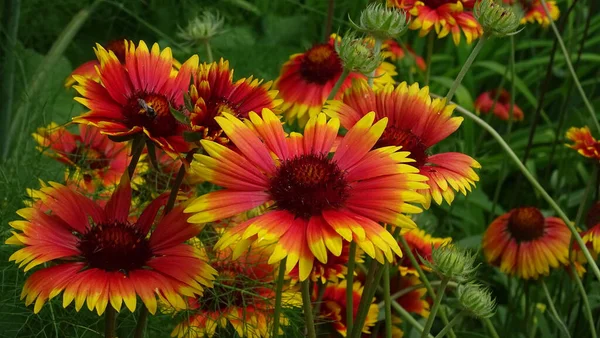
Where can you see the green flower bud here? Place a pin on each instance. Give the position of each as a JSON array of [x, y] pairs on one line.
[[476, 300], [357, 54], [381, 22], [202, 28], [452, 262], [496, 19]]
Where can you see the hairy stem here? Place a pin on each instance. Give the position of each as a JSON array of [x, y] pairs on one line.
[[553, 310], [387, 299], [140, 326], [407, 317], [338, 84], [349, 287], [430, 41], [450, 324], [585, 300], [465, 67], [137, 147], [278, 292], [308, 315], [209, 54], [10, 27], [376, 51], [563, 49], [537, 187], [110, 317], [436, 305], [491, 329]]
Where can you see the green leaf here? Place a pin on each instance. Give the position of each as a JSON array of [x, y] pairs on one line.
[[179, 116], [243, 4], [190, 136]]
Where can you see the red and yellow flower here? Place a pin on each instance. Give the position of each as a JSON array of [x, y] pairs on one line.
[[97, 256], [413, 301], [592, 235], [584, 142], [416, 123], [334, 269], [393, 51], [243, 296], [333, 306], [533, 11], [421, 245], [445, 16], [307, 79], [501, 107], [214, 92], [137, 97], [524, 243], [98, 162], [317, 200]]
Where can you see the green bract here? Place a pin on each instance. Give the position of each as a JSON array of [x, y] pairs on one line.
[[476, 300], [357, 54], [496, 19], [452, 262], [381, 22], [202, 28]]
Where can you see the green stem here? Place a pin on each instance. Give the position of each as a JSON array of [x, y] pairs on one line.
[[553, 310], [586, 302], [490, 327], [413, 288], [349, 288], [413, 260], [177, 184], [308, 315], [465, 67], [140, 326], [450, 325], [42, 72], [10, 26], [430, 40], [407, 317], [338, 84], [363, 305], [278, 293], [376, 51], [209, 54], [537, 187], [387, 299], [436, 306], [137, 147], [587, 103], [110, 317]]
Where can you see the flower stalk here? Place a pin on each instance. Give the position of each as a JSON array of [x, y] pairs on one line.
[[278, 293], [465, 67], [308, 315], [449, 326], [110, 319], [387, 299], [435, 307], [349, 287], [338, 84]]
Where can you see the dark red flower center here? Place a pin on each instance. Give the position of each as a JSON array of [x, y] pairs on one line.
[[88, 158], [152, 112], [321, 64], [526, 224], [115, 247], [393, 136], [117, 47], [593, 216], [308, 184], [437, 3]]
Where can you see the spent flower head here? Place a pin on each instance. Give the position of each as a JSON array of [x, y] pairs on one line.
[[357, 54], [476, 300], [496, 20], [452, 262], [381, 22], [202, 28]]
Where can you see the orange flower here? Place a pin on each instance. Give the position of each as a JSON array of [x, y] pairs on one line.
[[307, 79], [333, 306], [88, 69], [416, 123], [445, 16], [393, 51], [585, 143], [421, 244], [534, 11], [96, 255], [98, 161], [334, 269], [485, 102], [136, 97], [243, 296], [525, 243], [318, 200], [214, 93]]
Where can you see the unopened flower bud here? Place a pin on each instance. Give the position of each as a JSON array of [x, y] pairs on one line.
[[381, 22], [496, 19], [476, 300], [202, 28], [452, 263], [357, 54]]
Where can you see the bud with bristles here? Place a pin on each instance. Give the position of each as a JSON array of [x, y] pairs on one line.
[[476, 300], [452, 263], [202, 28], [496, 19], [381, 22], [357, 54]]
